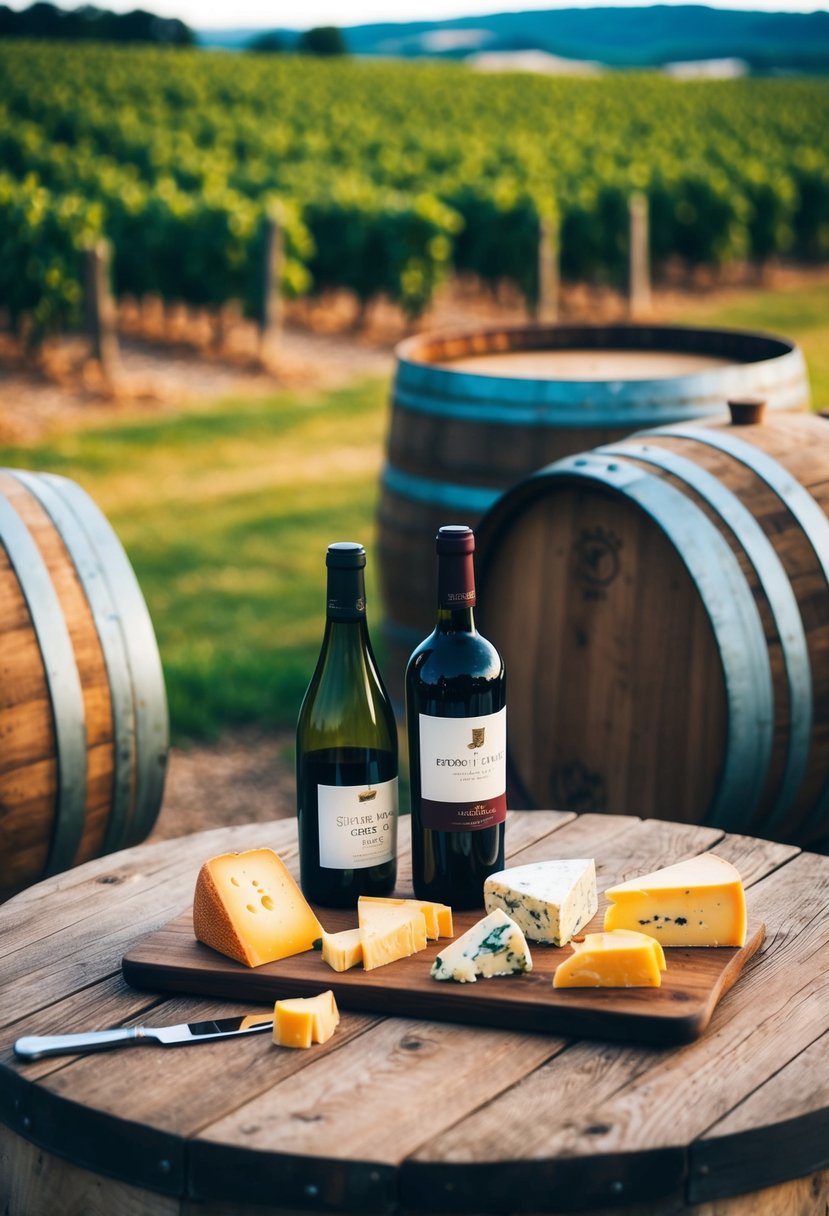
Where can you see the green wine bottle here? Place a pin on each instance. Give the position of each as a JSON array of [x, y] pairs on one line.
[[346, 753]]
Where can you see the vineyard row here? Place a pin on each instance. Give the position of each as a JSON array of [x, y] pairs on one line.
[[384, 178]]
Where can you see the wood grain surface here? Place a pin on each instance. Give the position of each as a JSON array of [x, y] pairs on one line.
[[412, 1114]]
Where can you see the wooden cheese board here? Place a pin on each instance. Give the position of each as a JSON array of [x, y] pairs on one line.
[[171, 960]]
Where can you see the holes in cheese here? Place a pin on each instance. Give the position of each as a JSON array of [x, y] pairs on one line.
[[248, 907], [698, 902], [619, 958], [303, 1020]]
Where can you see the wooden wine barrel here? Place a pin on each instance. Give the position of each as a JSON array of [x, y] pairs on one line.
[[83, 711], [662, 604], [472, 413]]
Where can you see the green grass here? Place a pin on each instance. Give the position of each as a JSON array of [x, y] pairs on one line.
[[802, 314], [225, 511]]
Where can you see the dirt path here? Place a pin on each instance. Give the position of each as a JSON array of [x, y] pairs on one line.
[[247, 777]]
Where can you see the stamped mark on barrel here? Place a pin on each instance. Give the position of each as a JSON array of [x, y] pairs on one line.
[[596, 560]]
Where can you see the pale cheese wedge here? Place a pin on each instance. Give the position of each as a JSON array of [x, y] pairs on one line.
[[389, 929], [343, 950], [698, 902], [438, 917], [249, 907], [389, 932], [616, 959], [301, 1021]]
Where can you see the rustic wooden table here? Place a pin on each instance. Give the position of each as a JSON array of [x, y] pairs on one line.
[[402, 1114]]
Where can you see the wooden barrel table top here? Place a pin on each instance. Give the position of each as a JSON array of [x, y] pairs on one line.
[[398, 1114]]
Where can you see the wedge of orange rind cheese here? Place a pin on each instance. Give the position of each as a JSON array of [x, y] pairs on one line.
[[249, 907]]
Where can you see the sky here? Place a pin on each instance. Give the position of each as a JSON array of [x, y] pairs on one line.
[[261, 14]]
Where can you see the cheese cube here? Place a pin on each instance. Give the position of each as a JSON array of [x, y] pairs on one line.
[[342, 950], [248, 906], [493, 946], [699, 902], [548, 900], [301, 1021], [617, 959], [389, 933], [438, 917]]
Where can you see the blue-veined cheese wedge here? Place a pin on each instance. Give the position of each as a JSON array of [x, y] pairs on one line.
[[549, 900], [493, 946], [698, 902]]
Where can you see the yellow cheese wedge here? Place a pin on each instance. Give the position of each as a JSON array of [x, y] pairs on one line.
[[389, 933], [373, 916], [438, 916], [301, 1021], [620, 958], [342, 950], [248, 906], [699, 902]]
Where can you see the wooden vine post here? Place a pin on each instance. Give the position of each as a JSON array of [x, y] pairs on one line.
[[639, 277], [547, 303], [100, 313], [270, 312]]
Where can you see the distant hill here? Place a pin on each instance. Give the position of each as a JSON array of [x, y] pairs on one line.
[[617, 37]]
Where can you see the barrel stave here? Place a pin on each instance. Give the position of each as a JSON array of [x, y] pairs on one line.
[[69, 779]]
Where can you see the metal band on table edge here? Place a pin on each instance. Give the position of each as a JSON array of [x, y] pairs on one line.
[[775, 582], [149, 693], [105, 616], [63, 684], [798, 501], [731, 610]]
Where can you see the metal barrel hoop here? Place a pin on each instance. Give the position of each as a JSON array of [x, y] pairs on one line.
[[144, 663], [778, 590], [63, 684]]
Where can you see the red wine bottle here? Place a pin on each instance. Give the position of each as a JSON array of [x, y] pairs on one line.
[[346, 753], [456, 727]]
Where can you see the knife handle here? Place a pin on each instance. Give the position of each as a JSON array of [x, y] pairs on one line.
[[34, 1046]]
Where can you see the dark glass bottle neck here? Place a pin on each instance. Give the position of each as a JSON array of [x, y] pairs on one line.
[[346, 598], [456, 593]]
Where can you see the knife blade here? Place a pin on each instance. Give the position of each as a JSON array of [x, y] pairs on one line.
[[34, 1047]]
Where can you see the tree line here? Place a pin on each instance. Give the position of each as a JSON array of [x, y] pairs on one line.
[[44, 20]]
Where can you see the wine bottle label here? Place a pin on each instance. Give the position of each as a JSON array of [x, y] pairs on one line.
[[357, 825], [463, 772]]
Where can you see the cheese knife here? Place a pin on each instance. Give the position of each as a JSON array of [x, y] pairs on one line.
[[33, 1047]]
